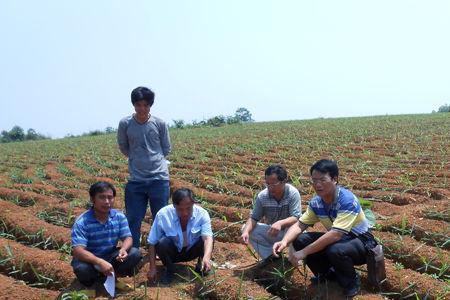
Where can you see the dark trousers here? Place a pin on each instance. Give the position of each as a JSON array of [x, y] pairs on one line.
[[87, 274], [342, 256], [168, 252], [138, 195]]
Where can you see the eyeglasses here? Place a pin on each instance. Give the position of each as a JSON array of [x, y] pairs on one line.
[[269, 186]]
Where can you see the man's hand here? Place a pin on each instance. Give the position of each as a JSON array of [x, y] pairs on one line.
[[151, 275], [274, 229], [245, 237], [123, 255], [278, 248], [296, 257], [105, 267], [206, 265]]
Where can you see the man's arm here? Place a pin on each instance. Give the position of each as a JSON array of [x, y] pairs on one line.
[[122, 138], [328, 238], [151, 275], [80, 253], [290, 236], [165, 140], [208, 247], [281, 224], [123, 252], [248, 227]]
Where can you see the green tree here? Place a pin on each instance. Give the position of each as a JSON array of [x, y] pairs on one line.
[[444, 108], [178, 123], [16, 134], [243, 115]]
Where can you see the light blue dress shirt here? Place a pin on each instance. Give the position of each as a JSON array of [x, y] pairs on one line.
[[167, 224]]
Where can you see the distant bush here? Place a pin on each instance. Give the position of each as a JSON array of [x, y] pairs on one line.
[[444, 108], [17, 134], [242, 115]]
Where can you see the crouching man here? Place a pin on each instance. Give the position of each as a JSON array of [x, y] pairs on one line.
[[279, 205], [180, 232], [95, 236], [331, 255]]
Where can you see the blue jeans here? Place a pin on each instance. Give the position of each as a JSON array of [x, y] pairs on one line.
[[137, 195], [88, 275]]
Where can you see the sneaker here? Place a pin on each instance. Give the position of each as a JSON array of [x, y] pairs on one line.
[[167, 277], [353, 288], [330, 275]]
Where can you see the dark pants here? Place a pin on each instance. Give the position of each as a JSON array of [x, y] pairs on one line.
[[140, 194], [88, 275], [342, 256], [168, 252]]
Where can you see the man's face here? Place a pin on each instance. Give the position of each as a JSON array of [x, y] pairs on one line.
[[323, 184], [142, 108], [275, 187], [184, 209], [103, 202]]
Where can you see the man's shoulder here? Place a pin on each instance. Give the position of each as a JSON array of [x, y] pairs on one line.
[[166, 211], [85, 218], [200, 210], [158, 120], [292, 190], [126, 120]]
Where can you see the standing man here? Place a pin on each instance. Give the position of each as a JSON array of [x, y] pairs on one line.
[[279, 205], [331, 255], [144, 139], [180, 232], [95, 235]]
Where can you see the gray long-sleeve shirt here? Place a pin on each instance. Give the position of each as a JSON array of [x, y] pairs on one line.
[[146, 146]]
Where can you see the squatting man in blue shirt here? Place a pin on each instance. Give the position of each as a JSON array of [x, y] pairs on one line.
[[331, 255], [95, 236], [180, 232]]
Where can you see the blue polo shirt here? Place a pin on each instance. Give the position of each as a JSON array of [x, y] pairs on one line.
[[167, 224], [100, 239]]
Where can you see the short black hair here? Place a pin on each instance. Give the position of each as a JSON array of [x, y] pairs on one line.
[[142, 93], [276, 169], [182, 193], [100, 187], [325, 166]]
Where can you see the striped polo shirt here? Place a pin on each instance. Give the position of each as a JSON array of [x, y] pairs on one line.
[[100, 239], [272, 210], [344, 214]]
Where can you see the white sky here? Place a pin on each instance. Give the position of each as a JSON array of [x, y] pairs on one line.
[[69, 66]]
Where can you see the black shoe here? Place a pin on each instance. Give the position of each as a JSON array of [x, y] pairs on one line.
[[268, 260], [167, 277], [353, 288], [330, 275]]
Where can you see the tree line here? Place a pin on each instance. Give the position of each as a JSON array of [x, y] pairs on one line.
[[17, 134], [242, 115]]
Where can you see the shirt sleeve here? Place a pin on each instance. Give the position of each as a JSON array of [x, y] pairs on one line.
[[155, 232], [79, 235], [309, 218], [347, 216], [122, 138], [124, 228], [294, 205], [257, 212], [165, 139], [206, 225]]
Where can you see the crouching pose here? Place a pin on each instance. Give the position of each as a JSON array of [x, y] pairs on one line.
[[95, 236], [279, 205], [180, 232], [331, 255]]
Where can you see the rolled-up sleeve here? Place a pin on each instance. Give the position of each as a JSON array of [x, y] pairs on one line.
[[257, 212], [155, 232], [206, 225], [294, 205]]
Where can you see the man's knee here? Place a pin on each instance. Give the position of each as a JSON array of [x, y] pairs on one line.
[[301, 242], [85, 272], [164, 245]]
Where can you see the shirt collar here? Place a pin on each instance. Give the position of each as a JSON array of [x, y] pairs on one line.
[[90, 215]]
